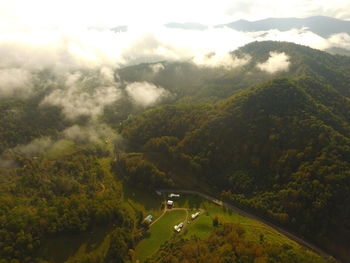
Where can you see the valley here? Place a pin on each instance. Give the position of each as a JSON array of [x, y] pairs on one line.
[[81, 161]]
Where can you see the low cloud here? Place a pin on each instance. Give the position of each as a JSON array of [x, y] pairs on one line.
[[275, 63], [82, 94], [91, 133], [35, 147], [25, 53], [339, 40], [157, 67], [146, 94], [226, 61], [15, 82]]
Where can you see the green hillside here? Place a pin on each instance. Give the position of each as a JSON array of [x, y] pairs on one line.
[[189, 82], [276, 144], [281, 149]]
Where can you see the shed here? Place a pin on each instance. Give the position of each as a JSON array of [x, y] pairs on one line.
[[149, 218], [170, 203]]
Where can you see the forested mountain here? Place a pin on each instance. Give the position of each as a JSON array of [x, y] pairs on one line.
[[281, 148], [274, 141], [320, 25], [189, 82], [66, 195]]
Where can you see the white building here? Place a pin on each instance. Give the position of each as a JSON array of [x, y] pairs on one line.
[[170, 203], [195, 215], [179, 227]]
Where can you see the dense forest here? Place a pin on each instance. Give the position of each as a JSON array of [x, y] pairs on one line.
[[281, 148], [43, 198], [276, 144], [190, 83]]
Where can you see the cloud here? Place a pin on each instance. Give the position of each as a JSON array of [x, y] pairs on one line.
[[226, 61], [94, 132], [146, 94], [84, 94], [59, 49], [275, 63], [25, 53], [339, 40], [15, 82], [35, 147], [157, 67]]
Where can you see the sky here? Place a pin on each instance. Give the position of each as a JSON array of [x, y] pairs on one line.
[[24, 14], [71, 34]]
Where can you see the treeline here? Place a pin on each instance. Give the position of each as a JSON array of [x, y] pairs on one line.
[[228, 243], [281, 148], [140, 173], [43, 198]]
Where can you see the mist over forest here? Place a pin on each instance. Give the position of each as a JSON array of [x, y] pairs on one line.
[[240, 108]]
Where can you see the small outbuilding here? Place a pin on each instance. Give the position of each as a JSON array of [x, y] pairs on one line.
[[170, 203], [179, 227], [195, 215], [149, 218]]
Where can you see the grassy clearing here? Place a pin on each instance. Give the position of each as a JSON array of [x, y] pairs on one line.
[[160, 232], [203, 225], [200, 227], [140, 200]]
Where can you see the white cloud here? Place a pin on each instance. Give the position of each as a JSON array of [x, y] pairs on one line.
[[15, 82], [95, 132], [35, 147], [339, 40], [76, 99], [226, 61], [24, 53], [146, 94], [157, 67], [275, 63]]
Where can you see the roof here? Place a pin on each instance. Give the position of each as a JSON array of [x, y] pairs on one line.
[[170, 202], [149, 218]]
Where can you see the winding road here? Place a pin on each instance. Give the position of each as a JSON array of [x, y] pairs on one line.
[[251, 216]]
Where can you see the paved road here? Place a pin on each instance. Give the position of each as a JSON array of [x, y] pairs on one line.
[[249, 215]]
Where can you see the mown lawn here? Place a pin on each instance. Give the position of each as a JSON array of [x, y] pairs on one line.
[[200, 227], [141, 200], [255, 231], [160, 232]]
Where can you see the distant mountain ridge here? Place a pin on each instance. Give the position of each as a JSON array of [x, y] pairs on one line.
[[320, 25]]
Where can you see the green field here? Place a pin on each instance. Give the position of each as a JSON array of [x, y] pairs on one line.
[[160, 232], [140, 200], [202, 226]]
